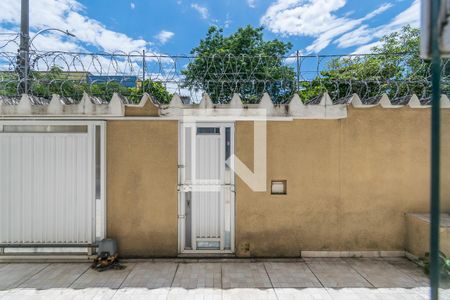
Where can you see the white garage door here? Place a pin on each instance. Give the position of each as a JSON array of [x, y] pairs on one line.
[[48, 175]]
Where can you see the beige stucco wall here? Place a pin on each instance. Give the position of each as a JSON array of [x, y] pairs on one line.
[[350, 183], [418, 235], [142, 187]]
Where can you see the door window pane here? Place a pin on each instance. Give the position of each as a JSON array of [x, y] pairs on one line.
[[208, 130]]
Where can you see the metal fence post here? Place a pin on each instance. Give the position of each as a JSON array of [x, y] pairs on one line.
[[297, 56], [143, 71], [435, 151]]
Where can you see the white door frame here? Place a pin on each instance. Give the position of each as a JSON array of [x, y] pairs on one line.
[[99, 203], [184, 185]]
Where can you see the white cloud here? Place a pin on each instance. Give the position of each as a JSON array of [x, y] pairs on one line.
[[203, 11], [409, 16], [164, 36], [365, 49], [68, 15], [359, 36], [251, 3], [381, 9], [296, 17], [314, 18], [228, 21], [132, 5], [55, 41], [367, 37]]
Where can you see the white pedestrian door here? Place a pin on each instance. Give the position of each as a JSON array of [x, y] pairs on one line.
[[206, 187]]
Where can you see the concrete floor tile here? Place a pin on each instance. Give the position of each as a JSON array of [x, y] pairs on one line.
[[112, 279], [60, 294], [141, 294], [354, 293], [294, 275], [410, 269], [249, 293], [56, 276], [394, 279], [12, 275], [302, 294], [380, 273], [245, 275], [444, 294], [194, 294], [198, 275], [151, 275], [336, 273]]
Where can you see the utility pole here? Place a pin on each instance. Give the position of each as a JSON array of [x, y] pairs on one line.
[[24, 48]]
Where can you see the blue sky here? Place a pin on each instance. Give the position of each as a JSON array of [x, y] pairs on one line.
[[175, 26]]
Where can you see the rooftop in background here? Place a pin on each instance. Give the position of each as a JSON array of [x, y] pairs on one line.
[[124, 80]]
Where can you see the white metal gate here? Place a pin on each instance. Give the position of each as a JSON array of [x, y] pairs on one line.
[[206, 187], [51, 183]]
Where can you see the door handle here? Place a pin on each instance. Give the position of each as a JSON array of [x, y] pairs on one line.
[[184, 188]]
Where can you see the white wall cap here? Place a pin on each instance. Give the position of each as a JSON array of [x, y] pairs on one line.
[[116, 107], [267, 104], [85, 106], [414, 102], [24, 106], [206, 102], [326, 100], [55, 106], [236, 101], [385, 102], [356, 101], [296, 106], [445, 102], [176, 102]]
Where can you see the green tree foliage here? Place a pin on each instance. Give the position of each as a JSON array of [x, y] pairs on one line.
[[394, 67], [56, 81], [241, 63], [155, 89], [8, 84]]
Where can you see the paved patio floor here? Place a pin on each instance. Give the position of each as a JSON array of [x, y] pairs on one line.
[[315, 278]]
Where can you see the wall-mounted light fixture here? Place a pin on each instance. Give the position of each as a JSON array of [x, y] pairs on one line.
[[279, 187]]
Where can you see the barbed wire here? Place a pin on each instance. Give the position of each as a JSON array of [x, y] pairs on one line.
[[70, 74]]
